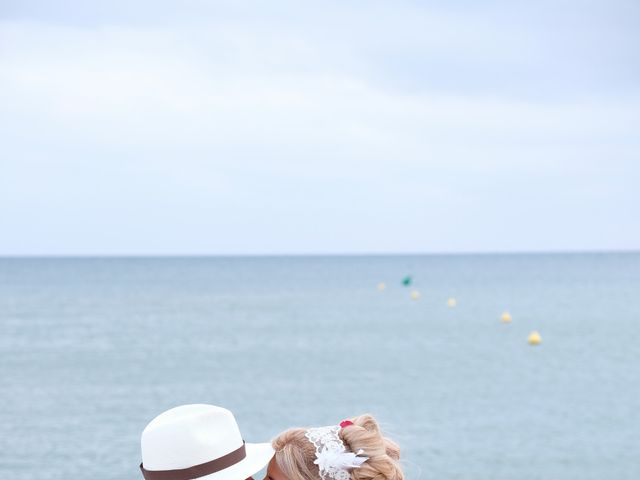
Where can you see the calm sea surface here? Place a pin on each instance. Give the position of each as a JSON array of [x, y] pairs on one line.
[[92, 349]]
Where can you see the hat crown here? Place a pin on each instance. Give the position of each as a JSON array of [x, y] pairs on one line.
[[189, 435]]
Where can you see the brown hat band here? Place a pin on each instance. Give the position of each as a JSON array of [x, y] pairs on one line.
[[197, 471]]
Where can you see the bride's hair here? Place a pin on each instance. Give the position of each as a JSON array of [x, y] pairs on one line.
[[295, 454]]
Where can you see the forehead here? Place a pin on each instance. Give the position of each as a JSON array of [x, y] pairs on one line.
[[274, 471]]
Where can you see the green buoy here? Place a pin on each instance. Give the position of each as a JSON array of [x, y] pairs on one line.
[[406, 281]]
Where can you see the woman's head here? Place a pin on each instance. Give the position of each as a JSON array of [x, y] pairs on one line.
[[295, 454]]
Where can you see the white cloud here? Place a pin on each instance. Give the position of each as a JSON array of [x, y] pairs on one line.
[[243, 116]]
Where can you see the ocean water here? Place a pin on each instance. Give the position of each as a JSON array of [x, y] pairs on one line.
[[92, 349]]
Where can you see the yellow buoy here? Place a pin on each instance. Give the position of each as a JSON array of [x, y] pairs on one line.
[[415, 295], [381, 286], [451, 302], [534, 338], [506, 317]]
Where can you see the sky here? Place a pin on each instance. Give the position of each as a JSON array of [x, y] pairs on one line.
[[337, 127]]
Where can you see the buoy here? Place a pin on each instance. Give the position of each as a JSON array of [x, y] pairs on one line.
[[381, 286], [406, 281], [534, 338], [506, 317], [415, 295], [451, 302]]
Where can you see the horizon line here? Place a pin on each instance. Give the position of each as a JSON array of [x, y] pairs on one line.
[[317, 254]]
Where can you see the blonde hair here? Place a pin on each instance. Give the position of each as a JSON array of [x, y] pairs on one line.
[[295, 454]]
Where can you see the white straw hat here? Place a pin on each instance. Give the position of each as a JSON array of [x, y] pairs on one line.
[[199, 441]]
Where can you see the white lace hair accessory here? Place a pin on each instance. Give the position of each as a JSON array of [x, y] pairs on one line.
[[332, 457]]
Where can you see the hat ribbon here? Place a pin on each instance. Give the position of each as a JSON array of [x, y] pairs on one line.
[[197, 471]]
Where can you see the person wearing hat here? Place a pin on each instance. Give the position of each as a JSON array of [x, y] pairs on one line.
[[199, 442]]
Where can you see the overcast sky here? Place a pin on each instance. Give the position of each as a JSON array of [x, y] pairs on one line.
[[202, 127]]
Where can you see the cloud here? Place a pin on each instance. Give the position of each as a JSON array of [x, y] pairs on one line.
[[222, 117]]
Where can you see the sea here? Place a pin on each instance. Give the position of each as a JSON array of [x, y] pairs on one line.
[[92, 349]]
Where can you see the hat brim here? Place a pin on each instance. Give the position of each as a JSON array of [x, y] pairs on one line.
[[258, 456]]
